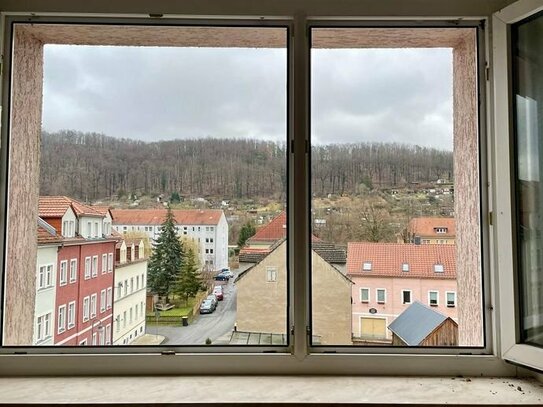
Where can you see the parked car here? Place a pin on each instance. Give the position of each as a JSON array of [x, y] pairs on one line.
[[227, 272], [213, 299], [206, 307], [221, 277], [217, 291]]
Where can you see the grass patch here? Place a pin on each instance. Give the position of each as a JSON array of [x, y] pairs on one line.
[[177, 311]]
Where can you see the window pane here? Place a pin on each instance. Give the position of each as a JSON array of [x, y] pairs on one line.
[[528, 102], [161, 179], [393, 111]]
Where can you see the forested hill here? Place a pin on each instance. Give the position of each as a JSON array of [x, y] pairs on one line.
[[94, 166]]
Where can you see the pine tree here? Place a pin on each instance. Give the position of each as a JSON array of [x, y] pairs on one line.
[[166, 260], [188, 283], [245, 233]]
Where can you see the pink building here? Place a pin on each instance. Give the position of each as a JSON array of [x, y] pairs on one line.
[[85, 270], [388, 277]]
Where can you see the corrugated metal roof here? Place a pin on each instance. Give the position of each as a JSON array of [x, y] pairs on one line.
[[416, 323], [387, 259]]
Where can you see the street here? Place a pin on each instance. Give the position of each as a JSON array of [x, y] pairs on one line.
[[213, 326]]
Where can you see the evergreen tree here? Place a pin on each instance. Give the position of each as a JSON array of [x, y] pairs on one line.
[[188, 283], [166, 260], [175, 198], [245, 233]]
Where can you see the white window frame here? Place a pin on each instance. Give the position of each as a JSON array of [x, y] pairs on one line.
[[63, 273], [377, 290], [73, 271], [447, 299], [305, 357], [46, 275], [110, 262], [72, 312], [93, 305], [61, 320], [88, 267], [103, 300], [410, 297], [109, 295], [104, 263], [369, 295], [86, 308], [504, 257], [94, 266], [430, 292], [271, 274]]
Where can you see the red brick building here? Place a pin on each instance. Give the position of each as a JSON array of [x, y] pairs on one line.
[[85, 270]]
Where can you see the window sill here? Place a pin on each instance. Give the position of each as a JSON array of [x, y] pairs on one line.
[[315, 390]]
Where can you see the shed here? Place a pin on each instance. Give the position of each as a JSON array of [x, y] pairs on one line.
[[420, 325]]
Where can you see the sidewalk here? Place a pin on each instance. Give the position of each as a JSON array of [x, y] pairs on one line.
[[148, 339]]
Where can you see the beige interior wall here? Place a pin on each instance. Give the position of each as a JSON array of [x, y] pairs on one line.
[[20, 289], [467, 197]]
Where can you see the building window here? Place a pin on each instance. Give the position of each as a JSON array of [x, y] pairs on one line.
[[451, 299], [381, 295], [104, 263], [110, 263], [124, 319], [438, 268], [108, 334], [93, 305], [137, 282], [405, 266], [366, 266], [86, 309], [433, 298], [89, 230], [61, 319], [94, 266], [71, 314], [118, 323], [125, 287], [131, 284], [109, 297], [102, 300], [45, 277], [271, 274], [87, 268], [43, 327], [406, 296], [73, 270], [364, 295], [63, 272]]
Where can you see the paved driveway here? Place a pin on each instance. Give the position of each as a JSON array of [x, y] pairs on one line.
[[213, 326]]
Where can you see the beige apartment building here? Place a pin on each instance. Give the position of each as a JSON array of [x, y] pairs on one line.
[[262, 299]]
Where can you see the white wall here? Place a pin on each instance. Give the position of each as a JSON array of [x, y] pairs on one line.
[[69, 217], [45, 298], [135, 297]]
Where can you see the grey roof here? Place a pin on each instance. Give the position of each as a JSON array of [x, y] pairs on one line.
[[416, 323]]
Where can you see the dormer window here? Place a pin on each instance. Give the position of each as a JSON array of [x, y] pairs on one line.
[[441, 230], [366, 266], [438, 268], [405, 266]]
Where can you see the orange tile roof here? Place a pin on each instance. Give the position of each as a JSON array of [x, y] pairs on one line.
[[425, 227], [275, 230], [387, 259], [45, 237], [103, 210], [56, 207], [156, 216]]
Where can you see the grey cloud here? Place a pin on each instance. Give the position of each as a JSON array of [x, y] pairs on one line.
[[164, 93]]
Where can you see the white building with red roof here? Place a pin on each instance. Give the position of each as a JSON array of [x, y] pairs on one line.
[[388, 277], [206, 228]]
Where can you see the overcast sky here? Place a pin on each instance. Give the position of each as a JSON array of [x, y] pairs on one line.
[[150, 93]]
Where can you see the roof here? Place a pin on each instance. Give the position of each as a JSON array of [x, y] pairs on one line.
[[56, 207], [387, 259], [156, 216], [417, 322], [103, 210], [328, 251], [427, 226], [275, 230], [47, 234]]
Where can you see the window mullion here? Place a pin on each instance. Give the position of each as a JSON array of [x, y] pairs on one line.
[[299, 186]]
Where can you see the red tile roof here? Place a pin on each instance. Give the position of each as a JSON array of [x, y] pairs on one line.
[[56, 207], [103, 210], [387, 259], [275, 230], [426, 227], [46, 237], [156, 216]]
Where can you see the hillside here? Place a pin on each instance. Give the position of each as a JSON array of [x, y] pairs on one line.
[[91, 166]]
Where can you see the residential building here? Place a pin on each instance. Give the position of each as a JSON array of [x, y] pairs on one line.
[[129, 291], [46, 281], [262, 298], [388, 277], [420, 325], [431, 231], [269, 236], [84, 271], [207, 228]]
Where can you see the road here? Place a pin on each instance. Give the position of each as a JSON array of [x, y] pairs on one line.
[[204, 326]]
